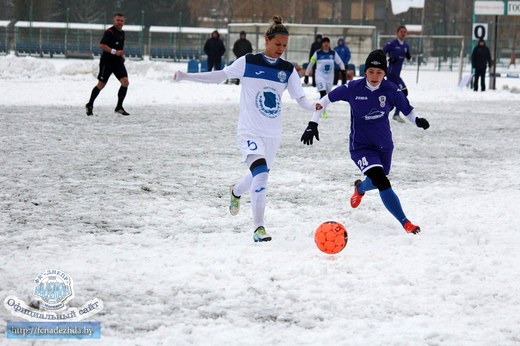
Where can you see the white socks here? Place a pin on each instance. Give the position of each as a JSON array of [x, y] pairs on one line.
[[244, 186], [257, 185], [258, 198]]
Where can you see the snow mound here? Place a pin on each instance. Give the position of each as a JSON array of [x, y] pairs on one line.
[[27, 67]]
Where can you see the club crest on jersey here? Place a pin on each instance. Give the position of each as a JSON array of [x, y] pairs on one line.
[[268, 102], [382, 101], [282, 76]]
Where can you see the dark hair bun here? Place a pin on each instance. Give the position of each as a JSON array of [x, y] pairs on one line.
[[277, 20]]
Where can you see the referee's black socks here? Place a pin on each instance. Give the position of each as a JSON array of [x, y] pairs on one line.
[[121, 96], [93, 95]]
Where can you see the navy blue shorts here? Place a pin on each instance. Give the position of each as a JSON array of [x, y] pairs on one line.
[[107, 68], [397, 80], [367, 158]]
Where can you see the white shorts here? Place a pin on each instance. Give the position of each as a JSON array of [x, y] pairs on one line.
[[323, 86], [253, 148]]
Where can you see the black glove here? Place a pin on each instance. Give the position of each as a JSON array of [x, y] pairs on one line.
[[392, 60], [408, 56], [306, 79], [421, 122], [310, 132]]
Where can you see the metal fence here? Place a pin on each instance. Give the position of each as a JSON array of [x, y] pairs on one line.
[[70, 39], [184, 43], [4, 36], [179, 43]]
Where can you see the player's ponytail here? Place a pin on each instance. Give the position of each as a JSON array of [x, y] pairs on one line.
[[277, 28]]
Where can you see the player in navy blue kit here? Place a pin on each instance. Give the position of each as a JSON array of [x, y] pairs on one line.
[[112, 61], [371, 145], [397, 50]]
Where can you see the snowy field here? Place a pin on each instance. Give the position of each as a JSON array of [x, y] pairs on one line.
[[134, 209]]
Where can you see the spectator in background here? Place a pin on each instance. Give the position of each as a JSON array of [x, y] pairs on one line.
[[314, 47], [480, 59], [344, 53], [214, 49], [241, 47]]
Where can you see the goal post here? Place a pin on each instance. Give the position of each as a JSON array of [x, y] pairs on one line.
[[360, 39], [438, 51]]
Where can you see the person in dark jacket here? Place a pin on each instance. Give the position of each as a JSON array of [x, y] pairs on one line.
[[314, 47], [480, 59], [344, 53], [214, 49], [242, 46]]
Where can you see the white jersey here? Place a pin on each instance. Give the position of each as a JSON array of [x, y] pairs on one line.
[[324, 65], [263, 84]]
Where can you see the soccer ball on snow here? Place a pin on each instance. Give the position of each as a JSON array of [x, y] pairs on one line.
[[331, 237]]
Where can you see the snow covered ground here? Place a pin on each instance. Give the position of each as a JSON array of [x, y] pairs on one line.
[[134, 209]]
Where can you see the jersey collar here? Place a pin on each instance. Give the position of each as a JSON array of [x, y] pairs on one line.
[[370, 87], [269, 60]]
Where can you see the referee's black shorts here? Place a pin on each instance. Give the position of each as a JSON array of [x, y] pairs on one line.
[[106, 68]]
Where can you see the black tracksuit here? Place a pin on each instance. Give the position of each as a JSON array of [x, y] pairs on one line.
[[480, 59]]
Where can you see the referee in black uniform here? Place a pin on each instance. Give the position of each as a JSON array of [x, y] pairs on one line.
[[112, 61]]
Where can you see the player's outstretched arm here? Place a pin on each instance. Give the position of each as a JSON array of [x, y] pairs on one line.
[[304, 103], [419, 122], [202, 77]]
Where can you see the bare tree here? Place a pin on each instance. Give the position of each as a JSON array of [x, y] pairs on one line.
[[7, 7]]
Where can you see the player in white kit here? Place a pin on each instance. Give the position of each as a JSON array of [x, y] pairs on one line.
[[264, 77], [324, 59]]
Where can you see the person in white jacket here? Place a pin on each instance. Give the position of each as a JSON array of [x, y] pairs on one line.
[[264, 77]]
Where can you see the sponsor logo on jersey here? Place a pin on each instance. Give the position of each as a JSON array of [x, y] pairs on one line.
[[374, 114], [259, 72], [361, 98], [268, 102], [282, 76]]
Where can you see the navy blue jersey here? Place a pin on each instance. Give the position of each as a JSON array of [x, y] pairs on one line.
[[369, 125], [396, 52], [115, 39]]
